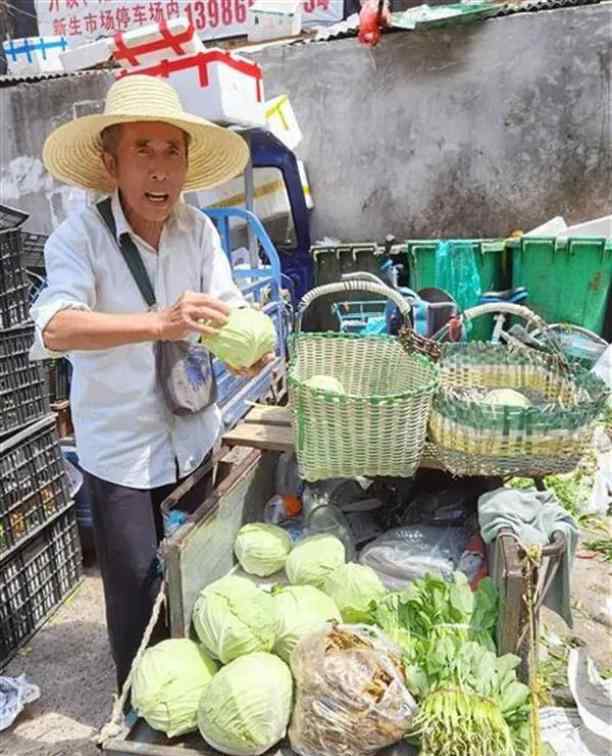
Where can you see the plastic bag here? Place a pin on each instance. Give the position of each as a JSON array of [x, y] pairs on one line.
[[15, 693], [406, 554], [457, 273], [351, 697]]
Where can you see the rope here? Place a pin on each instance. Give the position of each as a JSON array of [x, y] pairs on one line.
[[532, 562], [114, 727]]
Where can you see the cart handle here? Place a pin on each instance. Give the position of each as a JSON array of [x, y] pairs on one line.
[[347, 286]]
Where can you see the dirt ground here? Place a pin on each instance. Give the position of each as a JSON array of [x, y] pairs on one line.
[[70, 660]]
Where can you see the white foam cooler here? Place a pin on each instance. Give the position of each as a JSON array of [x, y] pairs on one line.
[[149, 45], [217, 85]]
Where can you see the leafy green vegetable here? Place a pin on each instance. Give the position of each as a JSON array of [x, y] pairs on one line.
[[300, 609], [247, 336], [168, 685], [247, 709], [232, 617], [313, 559], [262, 549], [353, 587], [471, 701]]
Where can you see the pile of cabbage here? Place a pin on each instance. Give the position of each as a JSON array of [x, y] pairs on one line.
[[234, 683]]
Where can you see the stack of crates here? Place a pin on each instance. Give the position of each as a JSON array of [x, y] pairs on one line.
[[40, 554]]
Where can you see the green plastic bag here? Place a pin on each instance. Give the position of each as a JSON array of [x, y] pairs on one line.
[[457, 272]]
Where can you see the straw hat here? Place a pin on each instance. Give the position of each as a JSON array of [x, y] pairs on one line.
[[73, 152]]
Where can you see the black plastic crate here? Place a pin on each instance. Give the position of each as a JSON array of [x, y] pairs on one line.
[[23, 392], [33, 483], [14, 283], [58, 379], [35, 579], [33, 250], [10, 217]]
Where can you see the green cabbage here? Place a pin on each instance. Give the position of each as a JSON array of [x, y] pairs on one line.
[[168, 685], [300, 609], [353, 587], [313, 559], [262, 549], [247, 336], [508, 397], [325, 383], [246, 709], [233, 617]]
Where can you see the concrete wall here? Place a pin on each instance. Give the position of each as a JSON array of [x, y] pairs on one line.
[[470, 131]]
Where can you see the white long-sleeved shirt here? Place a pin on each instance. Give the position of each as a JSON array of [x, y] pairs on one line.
[[124, 431]]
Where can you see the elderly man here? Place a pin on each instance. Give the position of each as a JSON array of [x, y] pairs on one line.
[[144, 151]]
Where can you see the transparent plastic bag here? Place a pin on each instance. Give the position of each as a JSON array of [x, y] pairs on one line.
[[406, 554], [457, 273], [351, 698]]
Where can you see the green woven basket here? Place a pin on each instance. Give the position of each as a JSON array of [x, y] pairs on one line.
[[378, 426], [474, 437]]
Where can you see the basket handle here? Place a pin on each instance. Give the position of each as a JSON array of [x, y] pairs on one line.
[[347, 286], [492, 308]]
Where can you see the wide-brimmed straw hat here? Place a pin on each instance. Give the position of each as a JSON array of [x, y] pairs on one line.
[[73, 152]]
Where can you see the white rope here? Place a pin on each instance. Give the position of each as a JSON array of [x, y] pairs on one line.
[[115, 726]]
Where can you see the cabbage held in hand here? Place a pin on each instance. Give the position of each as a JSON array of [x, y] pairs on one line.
[[246, 711], [232, 617], [168, 685], [247, 336], [313, 559], [300, 609], [353, 587], [262, 549]]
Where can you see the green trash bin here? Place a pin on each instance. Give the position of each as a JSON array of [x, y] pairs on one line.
[[493, 266], [567, 280]]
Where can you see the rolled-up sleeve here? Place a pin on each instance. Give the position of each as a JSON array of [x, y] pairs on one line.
[[70, 284], [217, 273]]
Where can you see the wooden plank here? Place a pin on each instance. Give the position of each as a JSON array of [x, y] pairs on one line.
[[269, 415], [260, 436]]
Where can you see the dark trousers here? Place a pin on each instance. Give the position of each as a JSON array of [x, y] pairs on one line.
[[127, 530]]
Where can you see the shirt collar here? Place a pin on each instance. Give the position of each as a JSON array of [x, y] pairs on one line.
[[178, 218]]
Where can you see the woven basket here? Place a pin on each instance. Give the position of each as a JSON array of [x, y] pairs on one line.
[[474, 437], [378, 427]]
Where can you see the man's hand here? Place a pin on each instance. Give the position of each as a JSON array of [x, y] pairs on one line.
[[193, 312], [254, 369]]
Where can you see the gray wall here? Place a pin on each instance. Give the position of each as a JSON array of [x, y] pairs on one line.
[[469, 131], [472, 131]]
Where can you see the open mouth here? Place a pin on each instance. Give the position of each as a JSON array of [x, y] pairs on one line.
[[159, 198]]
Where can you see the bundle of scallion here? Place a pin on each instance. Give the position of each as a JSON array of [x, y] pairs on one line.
[[470, 702]]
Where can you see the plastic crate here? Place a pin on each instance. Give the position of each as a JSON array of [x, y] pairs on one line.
[[14, 283], [33, 250], [10, 217], [58, 379], [23, 393], [35, 579], [33, 484]]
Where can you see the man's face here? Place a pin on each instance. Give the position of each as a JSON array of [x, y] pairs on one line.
[[149, 167]]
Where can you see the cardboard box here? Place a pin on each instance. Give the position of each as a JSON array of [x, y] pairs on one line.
[[34, 55], [281, 121], [274, 19], [217, 85], [149, 45]]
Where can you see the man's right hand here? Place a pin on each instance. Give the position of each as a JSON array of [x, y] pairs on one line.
[[193, 312]]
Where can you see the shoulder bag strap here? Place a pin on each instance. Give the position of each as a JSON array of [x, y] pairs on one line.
[[130, 253]]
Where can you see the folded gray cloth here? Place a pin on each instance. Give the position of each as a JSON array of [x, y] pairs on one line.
[[533, 516]]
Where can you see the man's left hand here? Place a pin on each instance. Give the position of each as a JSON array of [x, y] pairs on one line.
[[254, 369]]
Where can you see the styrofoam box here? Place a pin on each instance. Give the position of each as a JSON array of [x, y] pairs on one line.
[[33, 55], [281, 121], [217, 85], [274, 19], [85, 56], [149, 45]]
